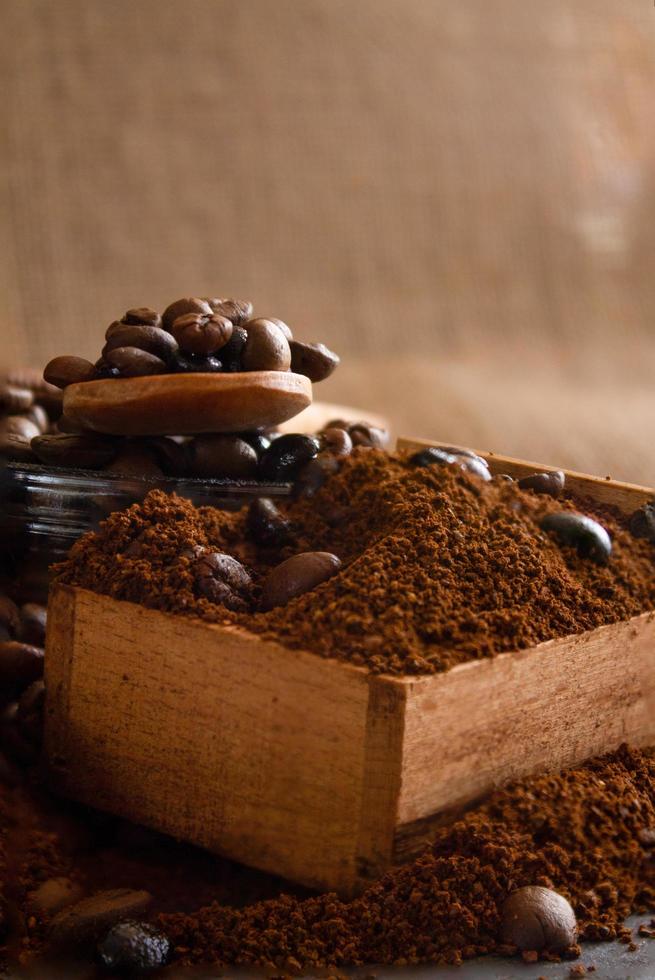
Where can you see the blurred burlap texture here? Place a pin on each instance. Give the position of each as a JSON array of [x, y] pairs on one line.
[[457, 196]]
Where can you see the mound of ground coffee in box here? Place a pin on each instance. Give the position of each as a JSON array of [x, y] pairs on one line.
[[437, 567]]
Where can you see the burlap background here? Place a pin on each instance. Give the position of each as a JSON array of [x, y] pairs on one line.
[[458, 195]]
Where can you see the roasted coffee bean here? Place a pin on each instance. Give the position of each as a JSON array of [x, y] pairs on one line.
[[199, 334], [236, 310], [172, 455], [315, 361], [460, 451], [194, 364], [222, 579], [142, 315], [134, 947], [286, 455], [152, 339], [29, 715], [642, 522], [134, 363], [337, 424], [314, 475], [548, 483], [298, 575], [87, 451], [266, 525], [16, 448], [258, 440], [363, 434], [232, 352], [336, 441], [181, 306], [284, 327], [9, 615], [266, 348], [68, 370], [19, 425], [135, 459], [223, 456], [431, 457], [86, 921], [14, 399], [20, 665], [475, 465], [588, 536], [537, 919], [33, 619], [38, 415]]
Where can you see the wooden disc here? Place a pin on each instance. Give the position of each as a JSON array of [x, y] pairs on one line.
[[185, 404]]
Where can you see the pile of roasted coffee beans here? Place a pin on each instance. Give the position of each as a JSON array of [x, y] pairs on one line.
[[29, 407], [201, 335], [22, 642]]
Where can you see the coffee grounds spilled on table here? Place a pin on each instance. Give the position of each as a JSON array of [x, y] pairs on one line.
[[438, 567], [588, 833]]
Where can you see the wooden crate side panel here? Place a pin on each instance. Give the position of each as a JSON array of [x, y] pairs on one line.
[[627, 497], [491, 721], [214, 736]]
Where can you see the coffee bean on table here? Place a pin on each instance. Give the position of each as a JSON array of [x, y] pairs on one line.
[[314, 475], [315, 361], [266, 347], [221, 456], [284, 327], [551, 483], [586, 535], [152, 339], [68, 370], [15, 399], [297, 575], [134, 947], [538, 919], [641, 523], [9, 615], [200, 334], [236, 310], [16, 448], [19, 425], [86, 451], [29, 715], [233, 350], [336, 441], [33, 620], [266, 525], [190, 304], [20, 665], [88, 920], [222, 579], [134, 363], [363, 434], [286, 455]]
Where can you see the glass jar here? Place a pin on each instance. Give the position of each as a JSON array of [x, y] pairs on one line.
[[44, 510]]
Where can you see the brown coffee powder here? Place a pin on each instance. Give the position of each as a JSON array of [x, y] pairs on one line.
[[438, 567], [587, 832]]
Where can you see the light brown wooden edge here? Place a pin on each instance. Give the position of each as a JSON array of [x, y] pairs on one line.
[[627, 497]]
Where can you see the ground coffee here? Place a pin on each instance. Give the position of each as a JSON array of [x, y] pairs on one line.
[[587, 833], [438, 567]]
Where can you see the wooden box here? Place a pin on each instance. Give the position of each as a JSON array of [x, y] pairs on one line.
[[311, 768]]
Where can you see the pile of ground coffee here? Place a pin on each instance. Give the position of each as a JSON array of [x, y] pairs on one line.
[[588, 833], [438, 567]]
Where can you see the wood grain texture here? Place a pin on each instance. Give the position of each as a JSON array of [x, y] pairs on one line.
[[183, 404]]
